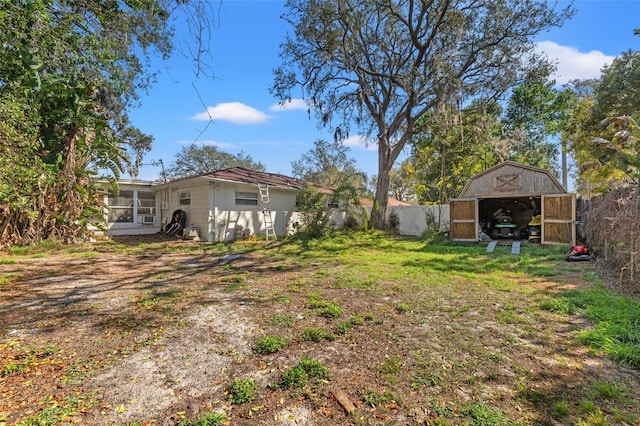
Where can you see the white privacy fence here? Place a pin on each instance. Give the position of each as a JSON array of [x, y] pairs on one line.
[[412, 220]]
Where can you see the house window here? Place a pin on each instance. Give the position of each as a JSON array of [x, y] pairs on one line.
[[333, 204], [185, 198], [131, 206], [146, 203], [120, 206], [246, 198]]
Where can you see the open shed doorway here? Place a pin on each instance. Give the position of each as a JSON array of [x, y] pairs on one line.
[[510, 218]]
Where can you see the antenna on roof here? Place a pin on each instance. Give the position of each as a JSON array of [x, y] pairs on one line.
[[161, 164]]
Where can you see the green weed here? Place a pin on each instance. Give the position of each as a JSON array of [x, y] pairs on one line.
[[316, 334], [597, 418], [87, 254], [402, 308], [307, 370], [268, 345], [374, 398], [424, 378], [560, 306], [209, 419], [391, 365], [483, 415], [58, 411], [323, 307], [560, 409], [607, 390], [243, 391], [283, 320], [345, 326], [7, 278]]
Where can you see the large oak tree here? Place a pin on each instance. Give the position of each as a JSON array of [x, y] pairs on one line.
[[379, 66]]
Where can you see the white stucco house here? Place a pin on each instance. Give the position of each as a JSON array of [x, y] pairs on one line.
[[219, 206]]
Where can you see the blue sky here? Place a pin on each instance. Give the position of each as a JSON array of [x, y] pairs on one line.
[[244, 45]]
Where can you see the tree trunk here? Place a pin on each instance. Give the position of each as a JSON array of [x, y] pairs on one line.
[[385, 162]]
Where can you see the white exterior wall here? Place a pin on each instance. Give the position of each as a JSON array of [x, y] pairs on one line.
[[197, 209], [227, 216]]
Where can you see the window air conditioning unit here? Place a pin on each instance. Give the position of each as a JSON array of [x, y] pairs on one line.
[[148, 219]]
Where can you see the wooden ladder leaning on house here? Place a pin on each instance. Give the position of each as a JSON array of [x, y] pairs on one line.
[[268, 220]]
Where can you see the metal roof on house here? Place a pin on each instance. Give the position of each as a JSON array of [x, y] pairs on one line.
[[242, 175]]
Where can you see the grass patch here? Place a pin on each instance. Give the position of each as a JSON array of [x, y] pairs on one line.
[[283, 320], [345, 326], [26, 357], [7, 278], [616, 329], [316, 334], [481, 414], [323, 307], [390, 368], [268, 345], [58, 411], [402, 308], [374, 398], [209, 419], [607, 390]]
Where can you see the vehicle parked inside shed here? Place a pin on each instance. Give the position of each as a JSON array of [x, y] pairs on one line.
[[507, 217]]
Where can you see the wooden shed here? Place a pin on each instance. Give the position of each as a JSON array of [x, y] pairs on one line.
[[503, 202]]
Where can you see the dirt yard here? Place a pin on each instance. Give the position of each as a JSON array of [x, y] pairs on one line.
[[156, 337]]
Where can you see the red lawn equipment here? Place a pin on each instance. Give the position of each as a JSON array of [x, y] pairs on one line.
[[578, 252]]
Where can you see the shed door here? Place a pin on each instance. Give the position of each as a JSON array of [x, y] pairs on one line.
[[558, 219], [464, 219]]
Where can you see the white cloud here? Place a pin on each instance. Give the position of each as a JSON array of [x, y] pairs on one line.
[[234, 112], [360, 142], [293, 104], [573, 64]]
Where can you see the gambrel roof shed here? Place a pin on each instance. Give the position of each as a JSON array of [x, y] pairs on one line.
[[511, 178], [525, 191]]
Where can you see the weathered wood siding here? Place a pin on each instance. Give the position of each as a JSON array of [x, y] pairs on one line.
[[558, 219], [464, 219]]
